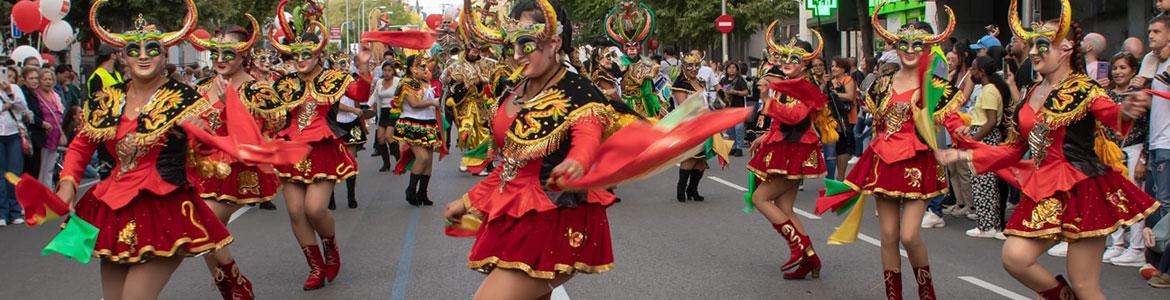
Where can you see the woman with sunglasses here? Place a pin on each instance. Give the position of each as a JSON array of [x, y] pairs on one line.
[[790, 151], [148, 215], [418, 126], [898, 168], [227, 187], [1073, 187], [311, 96], [547, 130]]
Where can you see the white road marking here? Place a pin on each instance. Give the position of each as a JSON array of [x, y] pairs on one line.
[[238, 213], [875, 242], [805, 214], [993, 288], [559, 293]]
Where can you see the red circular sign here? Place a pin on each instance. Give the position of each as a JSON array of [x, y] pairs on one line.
[[724, 23]]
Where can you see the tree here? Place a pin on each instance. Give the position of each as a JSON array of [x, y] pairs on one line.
[[684, 22], [866, 29]]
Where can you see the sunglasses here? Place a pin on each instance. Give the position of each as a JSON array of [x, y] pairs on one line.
[[152, 49], [907, 46]]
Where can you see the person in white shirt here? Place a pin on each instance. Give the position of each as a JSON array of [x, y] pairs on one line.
[[708, 77], [389, 107], [13, 113], [418, 126]]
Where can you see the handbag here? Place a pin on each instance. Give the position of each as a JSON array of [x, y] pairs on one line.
[[25, 140]]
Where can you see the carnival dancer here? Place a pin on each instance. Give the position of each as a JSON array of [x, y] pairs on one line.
[[606, 73], [637, 83], [148, 215], [1073, 187], [469, 84], [898, 168], [523, 256], [418, 126], [690, 171], [242, 183], [790, 150], [311, 96], [264, 65], [351, 118]]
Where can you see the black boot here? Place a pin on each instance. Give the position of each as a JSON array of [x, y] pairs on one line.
[[393, 150], [410, 189], [422, 190], [386, 165], [332, 201], [267, 205], [693, 185], [683, 178], [350, 189], [379, 149]]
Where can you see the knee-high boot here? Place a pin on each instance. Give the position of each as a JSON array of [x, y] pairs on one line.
[[684, 177], [925, 283], [693, 185], [411, 189], [893, 284], [423, 183], [350, 190]]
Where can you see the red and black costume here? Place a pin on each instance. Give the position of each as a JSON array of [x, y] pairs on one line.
[[312, 118], [147, 207], [526, 226], [243, 183], [1069, 192]]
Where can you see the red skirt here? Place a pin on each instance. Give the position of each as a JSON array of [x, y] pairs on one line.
[[791, 160], [245, 185], [153, 226], [544, 244], [329, 160], [1093, 207], [918, 177]]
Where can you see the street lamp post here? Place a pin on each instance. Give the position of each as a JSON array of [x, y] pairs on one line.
[[723, 9]]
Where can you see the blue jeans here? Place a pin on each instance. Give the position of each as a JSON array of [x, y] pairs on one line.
[[936, 205], [13, 161], [736, 135], [1158, 177], [831, 160]]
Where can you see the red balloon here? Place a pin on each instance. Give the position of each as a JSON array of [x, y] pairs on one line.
[[435, 21], [44, 24], [202, 34], [26, 15], [48, 58]]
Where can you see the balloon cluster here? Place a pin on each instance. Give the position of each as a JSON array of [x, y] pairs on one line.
[[45, 16]]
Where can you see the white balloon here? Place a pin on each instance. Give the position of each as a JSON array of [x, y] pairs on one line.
[[58, 35], [23, 52], [54, 10]]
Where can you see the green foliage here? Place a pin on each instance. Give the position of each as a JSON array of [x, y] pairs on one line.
[[682, 22]]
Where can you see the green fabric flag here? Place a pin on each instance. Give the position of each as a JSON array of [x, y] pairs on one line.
[[833, 187], [76, 241], [650, 99], [479, 152], [747, 198]]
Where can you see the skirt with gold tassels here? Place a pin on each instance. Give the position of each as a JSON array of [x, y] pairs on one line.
[[918, 177], [329, 160], [1093, 207], [417, 132], [543, 244], [176, 224], [790, 160], [244, 185]]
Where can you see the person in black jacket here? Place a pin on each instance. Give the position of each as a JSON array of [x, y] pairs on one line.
[[29, 83]]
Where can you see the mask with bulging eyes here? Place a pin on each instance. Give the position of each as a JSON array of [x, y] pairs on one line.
[[1042, 36], [910, 39]]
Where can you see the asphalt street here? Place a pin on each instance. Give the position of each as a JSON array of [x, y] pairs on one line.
[[663, 249]]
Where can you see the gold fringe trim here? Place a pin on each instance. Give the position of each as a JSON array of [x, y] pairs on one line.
[[141, 255], [329, 86], [1058, 233], [234, 200], [193, 110], [318, 177], [763, 175], [522, 149], [485, 265]]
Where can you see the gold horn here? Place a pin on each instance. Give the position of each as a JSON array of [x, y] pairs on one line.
[[189, 20], [551, 21], [938, 38], [255, 36], [324, 36], [820, 46], [1014, 21], [879, 28], [101, 33], [1065, 22], [770, 40]]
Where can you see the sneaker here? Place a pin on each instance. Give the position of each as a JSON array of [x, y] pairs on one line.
[[1060, 250], [1130, 258], [983, 234], [482, 173], [17, 221], [853, 161], [3, 223], [960, 212], [999, 236], [949, 210], [1111, 252], [1161, 281], [932, 220], [463, 168], [1148, 271], [972, 217]]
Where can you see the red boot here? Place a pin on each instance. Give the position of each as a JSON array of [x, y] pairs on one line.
[[1061, 292], [811, 264], [925, 284], [797, 243], [316, 278], [893, 285], [232, 284], [332, 258]]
